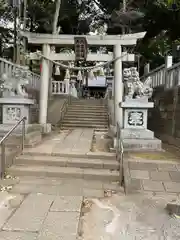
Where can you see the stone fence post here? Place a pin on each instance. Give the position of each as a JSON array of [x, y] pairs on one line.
[[146, 69], [168, 64]]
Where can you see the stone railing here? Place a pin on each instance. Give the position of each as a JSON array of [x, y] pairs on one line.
[[166, 75], [60, 87], [157, 75], [11, 69], [173, 76]]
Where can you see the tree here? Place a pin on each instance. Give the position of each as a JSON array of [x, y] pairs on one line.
[[160, 18], [6, 33], [80, 17]]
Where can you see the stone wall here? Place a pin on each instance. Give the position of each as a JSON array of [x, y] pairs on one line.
[[111, 111], [164, 118], [54, 109], [34, 109]]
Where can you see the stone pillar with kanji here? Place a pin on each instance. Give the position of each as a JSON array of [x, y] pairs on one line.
[[135, 134]]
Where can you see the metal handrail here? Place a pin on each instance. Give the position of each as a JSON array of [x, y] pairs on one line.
[[120, 150], [64, 107], [2, 144]]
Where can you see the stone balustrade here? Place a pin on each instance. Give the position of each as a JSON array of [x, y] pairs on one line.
[[167, 76], [60, 87], [11, 69], [173, 76]]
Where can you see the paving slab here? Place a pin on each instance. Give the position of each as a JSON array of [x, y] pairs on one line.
[[139, 174], [175, 176], [160, 176], [6, 206], [143, 166], [17, 236], [154, 186], [144, 218], [172, 187], [61, 214], [67, 204], [167, 167], [31, 214], [153, 173], [134, 185], [60, 225], [178, 166], [59, 190], [93, 193], [23, 188]]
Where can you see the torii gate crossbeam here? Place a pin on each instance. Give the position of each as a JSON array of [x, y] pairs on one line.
[[117, 41]]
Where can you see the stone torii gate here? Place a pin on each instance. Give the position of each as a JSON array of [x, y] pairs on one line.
[[117, 41]]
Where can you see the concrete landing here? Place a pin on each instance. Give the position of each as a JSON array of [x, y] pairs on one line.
[[50, 209], [46, 209], [72, 141], [135, 217]]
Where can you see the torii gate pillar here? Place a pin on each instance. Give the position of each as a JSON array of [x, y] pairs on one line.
[[45, 75], [118, 85]]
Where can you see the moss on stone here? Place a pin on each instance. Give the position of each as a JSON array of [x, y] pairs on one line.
[[155, 155]]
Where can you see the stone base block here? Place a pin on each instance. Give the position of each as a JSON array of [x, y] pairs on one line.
[[137, 134], [46, 128], [112, 131], [142, 144], [5, 128], [14, 108], [33, 138]]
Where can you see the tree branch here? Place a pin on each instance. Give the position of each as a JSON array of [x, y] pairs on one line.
[[56, 16]]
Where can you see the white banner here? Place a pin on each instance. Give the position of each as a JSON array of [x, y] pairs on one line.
[[99, 81]]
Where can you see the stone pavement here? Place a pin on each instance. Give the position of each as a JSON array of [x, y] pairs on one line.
[[71, 141], [69, 209], [46, 208], [133, 217], [143, 173]]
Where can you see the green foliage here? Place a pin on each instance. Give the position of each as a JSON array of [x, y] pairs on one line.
[[161, 22], [5, 32], [156, 17]]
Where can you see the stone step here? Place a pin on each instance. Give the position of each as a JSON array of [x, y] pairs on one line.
[[80, 109], [103, 130], [63, 172], [67, 162], [89, 101], [88, 106], [87, 114], [89, 155], [85, 118], [85, 125], [85, 121]]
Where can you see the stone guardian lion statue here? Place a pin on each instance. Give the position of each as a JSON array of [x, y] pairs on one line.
[[134, 88]]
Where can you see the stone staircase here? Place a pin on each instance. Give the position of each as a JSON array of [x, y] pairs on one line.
[[80, 166], [86, 113]]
